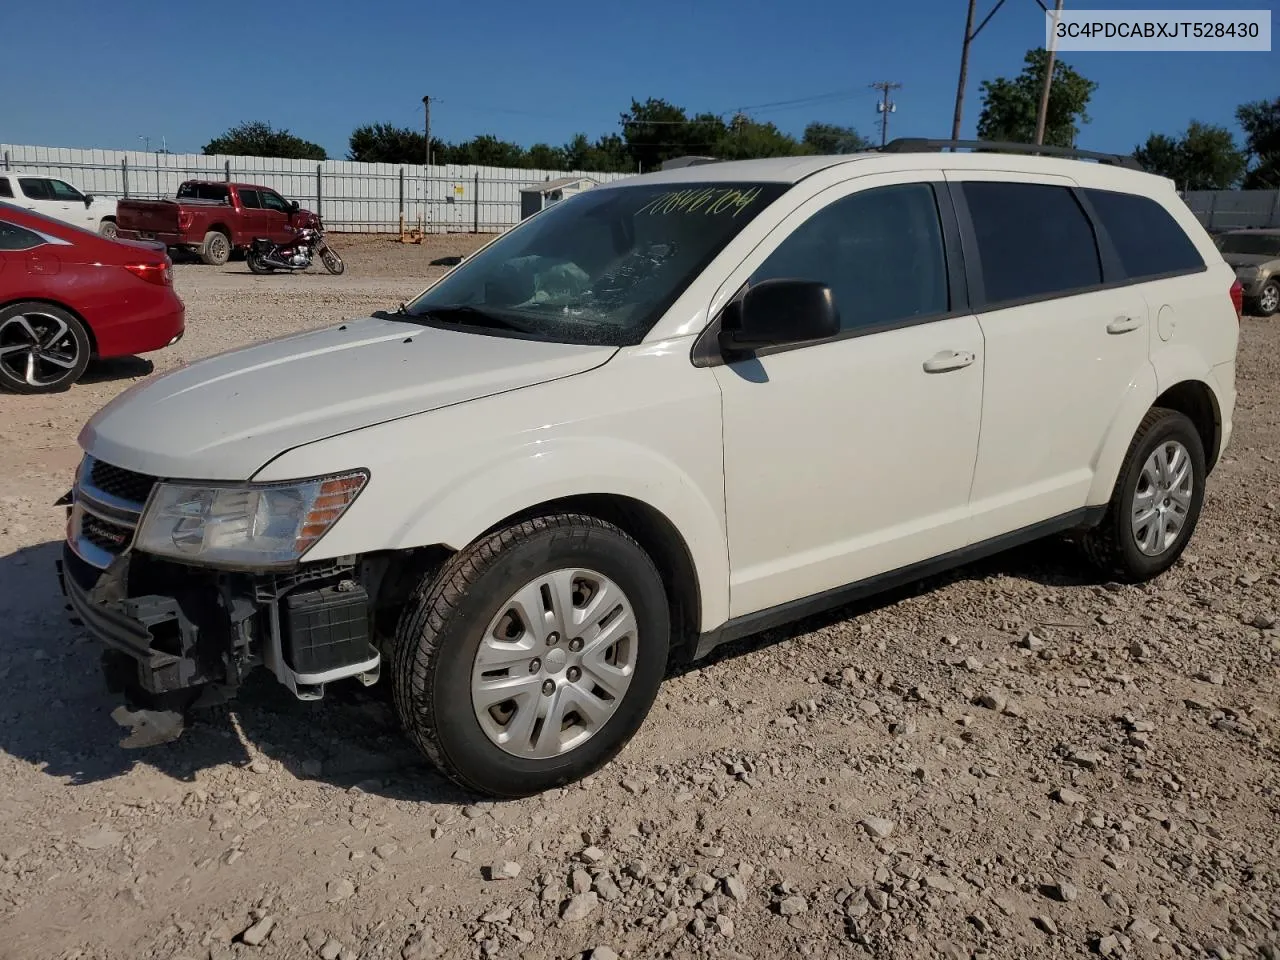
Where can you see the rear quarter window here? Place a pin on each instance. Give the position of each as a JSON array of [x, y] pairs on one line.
[[5, 189], [1148, 241]]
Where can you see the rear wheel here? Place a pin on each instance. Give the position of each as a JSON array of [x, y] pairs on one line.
[[43, 348], [216, 249], [108, 229], [1269, 299], [258, 263], [532, 657], [1156, 501]]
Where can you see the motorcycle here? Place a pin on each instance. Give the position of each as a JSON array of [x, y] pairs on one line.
[[266, 256]]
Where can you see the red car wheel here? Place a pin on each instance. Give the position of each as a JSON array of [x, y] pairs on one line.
[[43, 348]]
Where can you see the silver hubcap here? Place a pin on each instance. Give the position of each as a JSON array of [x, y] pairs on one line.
[[37, 348], [218, 247], [109, 230], [1162, 499], [1270, 297], [554, 664]]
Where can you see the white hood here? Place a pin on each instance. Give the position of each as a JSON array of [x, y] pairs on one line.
[[225, 417]]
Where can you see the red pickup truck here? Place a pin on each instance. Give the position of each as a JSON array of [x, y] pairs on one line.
[[212, 218]]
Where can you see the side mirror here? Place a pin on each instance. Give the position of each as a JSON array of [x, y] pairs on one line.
[[293, 206], [779, 311], [88, 199]]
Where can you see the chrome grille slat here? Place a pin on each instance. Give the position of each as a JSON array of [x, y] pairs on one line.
[[107, 507]]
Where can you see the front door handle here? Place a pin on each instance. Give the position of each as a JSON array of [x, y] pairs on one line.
[[948, 360], [1123, 324]]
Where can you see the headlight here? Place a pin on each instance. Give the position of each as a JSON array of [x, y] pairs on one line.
[[250, 525]]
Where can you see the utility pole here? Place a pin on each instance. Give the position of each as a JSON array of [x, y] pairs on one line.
[[146, 143], [885, 107], [970, 34], [426, 110], [1048, 76], [964, 71]]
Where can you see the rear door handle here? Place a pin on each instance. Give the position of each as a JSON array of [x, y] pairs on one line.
[[948, 360], [1123, 324]]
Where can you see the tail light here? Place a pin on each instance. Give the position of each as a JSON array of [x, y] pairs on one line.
[[184, 219], [160, 273], [1237, 298]]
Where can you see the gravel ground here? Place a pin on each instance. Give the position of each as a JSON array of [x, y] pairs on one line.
[[1015, 760]]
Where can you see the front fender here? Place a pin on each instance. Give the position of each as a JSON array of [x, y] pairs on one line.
[[476, 500]]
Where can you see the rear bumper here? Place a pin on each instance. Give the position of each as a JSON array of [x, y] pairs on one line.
[[157, 323]]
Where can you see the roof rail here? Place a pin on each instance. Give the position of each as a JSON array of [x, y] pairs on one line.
[[922, 145]]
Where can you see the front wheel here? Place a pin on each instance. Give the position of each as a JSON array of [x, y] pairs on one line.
[[43, 348], [533, 656], [1156, 501], [332, 262]]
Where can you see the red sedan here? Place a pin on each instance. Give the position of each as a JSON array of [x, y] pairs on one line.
[[68, 295]]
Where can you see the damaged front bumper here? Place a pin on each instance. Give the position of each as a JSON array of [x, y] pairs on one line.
[[169, 628]]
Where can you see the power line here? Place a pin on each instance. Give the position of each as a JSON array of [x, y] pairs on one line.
[[885, 106]]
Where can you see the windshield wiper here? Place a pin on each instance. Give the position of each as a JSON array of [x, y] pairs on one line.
[[470, 316]]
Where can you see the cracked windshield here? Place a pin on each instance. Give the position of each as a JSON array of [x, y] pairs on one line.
[[597, 268]]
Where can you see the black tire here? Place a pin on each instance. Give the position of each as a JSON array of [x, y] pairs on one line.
[[332, 262], [62, 354], [1112, 546], [257, 264], [107, 228], [216, 248], [443, 624], [1268, 302]]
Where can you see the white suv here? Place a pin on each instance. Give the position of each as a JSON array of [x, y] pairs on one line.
[[663, 414], [60, 200]]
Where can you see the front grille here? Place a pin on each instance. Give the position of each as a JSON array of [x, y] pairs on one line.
[[105, 535], [122, 483]]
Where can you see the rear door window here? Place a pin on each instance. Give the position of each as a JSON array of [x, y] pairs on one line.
[[204, 191], [35, 188], [249, 199], [1149, 242], [1034, 241], [5, 189]]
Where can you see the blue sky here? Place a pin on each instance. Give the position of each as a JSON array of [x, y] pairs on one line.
[[541, 72]]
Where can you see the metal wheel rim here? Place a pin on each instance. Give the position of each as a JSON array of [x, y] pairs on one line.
[[1162, 498], [1270, 297], [218, 247], [38, 348], [554, 663], [109, 230]]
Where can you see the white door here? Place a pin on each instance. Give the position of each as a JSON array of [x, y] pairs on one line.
[[853, 456], [71, 201], [37, 195], [1061, 352]]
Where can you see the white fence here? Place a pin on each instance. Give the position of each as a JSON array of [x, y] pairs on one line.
[[1232, 209], [349, 196]]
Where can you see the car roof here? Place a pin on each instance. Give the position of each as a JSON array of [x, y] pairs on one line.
[[1259, 231], [791, 170]]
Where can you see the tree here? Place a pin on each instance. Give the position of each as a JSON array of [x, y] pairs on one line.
[[543, 156], [656, 130], [828, 138], [1261, 123], [745, 138], [258, 139], [1009, 107], [1204, 158], [384, 143]]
